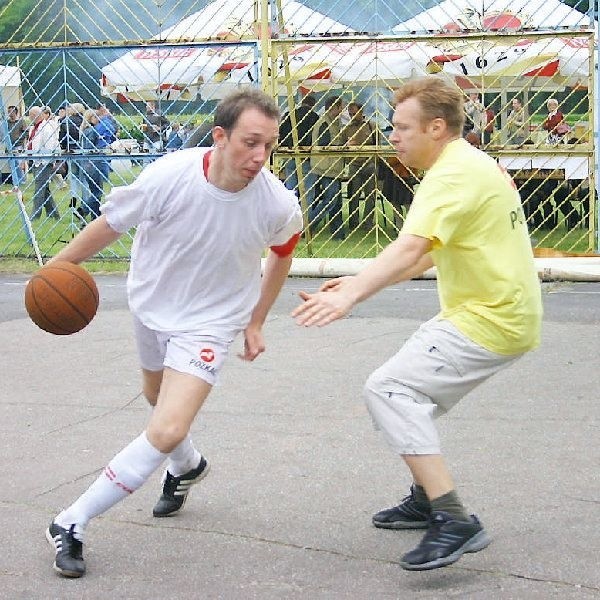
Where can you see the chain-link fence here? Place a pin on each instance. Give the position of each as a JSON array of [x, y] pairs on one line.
[[89, 94]]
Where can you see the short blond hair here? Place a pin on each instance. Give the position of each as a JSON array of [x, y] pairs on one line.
[[437, 98], [87, 118]]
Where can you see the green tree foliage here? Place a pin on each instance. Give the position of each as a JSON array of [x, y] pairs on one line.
[[581, 5], [13, 13]]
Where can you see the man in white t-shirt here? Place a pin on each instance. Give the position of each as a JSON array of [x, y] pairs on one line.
[[204, 216], [43, 140]]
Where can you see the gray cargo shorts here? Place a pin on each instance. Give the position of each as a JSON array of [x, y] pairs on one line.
[[431, 372]]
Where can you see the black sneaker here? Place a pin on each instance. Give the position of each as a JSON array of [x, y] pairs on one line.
[[69, 550], [176, 489], [409, 514], [445, 542]]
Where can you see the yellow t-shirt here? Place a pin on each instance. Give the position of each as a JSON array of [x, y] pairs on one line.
[[487, 283]]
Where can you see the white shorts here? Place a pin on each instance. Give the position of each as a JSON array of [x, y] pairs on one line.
[[183, 351], [434, 369]]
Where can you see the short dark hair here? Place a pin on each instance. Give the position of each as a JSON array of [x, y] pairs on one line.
[[231, 107], [329, 102], [309, 100]]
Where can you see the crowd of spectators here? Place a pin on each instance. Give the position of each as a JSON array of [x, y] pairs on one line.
[[68, 149], [86, 135], [59, 147]]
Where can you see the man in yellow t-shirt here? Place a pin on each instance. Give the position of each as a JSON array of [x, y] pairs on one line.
[[467, 220]]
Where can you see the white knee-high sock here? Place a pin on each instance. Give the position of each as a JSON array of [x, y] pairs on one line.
[[125, 473], [184, 457]]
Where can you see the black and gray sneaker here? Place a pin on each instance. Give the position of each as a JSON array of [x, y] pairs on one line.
[[409, 514], [69, 550], [446, 540], [176, 489]]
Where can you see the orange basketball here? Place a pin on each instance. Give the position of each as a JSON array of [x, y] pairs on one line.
[[61, 298]]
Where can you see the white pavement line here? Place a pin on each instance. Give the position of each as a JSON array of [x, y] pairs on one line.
[[572, 292]]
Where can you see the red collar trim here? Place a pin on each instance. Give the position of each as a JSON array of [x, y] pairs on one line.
[[206, 163]]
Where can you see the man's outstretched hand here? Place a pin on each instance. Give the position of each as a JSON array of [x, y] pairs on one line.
[[332, 302]]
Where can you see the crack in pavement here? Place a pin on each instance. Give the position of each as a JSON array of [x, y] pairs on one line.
[[341, 554], [328, 551], [94, 418]]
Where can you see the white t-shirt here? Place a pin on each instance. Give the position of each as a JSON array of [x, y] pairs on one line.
[[195, 260]]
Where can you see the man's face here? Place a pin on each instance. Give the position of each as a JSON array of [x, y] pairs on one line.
[[35, 116], [335, 110], [248, 145], [355, 113], [414, 141]]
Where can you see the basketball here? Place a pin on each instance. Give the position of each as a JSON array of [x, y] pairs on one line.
[[61, 298]]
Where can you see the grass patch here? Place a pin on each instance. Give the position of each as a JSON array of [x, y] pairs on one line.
[[51, 235], [17, 253]]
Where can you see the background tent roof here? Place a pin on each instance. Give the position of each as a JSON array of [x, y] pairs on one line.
[[234, 20], [549, 64], [180, 73], [495, 15], [10, 87], [359, 63], [169, 73]]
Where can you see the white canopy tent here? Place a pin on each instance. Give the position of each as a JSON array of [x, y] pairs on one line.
[[11, 94], [358, 63], [541, 64], [453, 16], [10, 87], [230, 20], [174, 73], [508, 65], [183, 72], [498, 63]]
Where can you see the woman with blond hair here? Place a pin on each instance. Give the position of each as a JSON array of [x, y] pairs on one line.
[[89, 139]]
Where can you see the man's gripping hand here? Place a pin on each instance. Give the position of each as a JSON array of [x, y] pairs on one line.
[[254, 343]]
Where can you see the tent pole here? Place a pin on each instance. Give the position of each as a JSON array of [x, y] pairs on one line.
[[594, 108], [264, 35], [294, 126]]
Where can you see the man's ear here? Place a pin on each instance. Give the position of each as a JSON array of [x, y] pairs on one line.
[[219, 136], [438, 128]]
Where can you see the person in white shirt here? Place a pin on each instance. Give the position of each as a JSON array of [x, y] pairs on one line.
[[43, 140], [475, 116], [204, 216]]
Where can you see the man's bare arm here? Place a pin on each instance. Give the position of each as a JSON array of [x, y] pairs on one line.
[[406, 257], [88, 242]]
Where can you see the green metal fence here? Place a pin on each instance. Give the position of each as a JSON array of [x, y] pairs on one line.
[[159, 67]]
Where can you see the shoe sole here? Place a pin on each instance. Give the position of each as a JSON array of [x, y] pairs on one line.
[[63, 572], [478, 542], [194, 482], [401, 525]]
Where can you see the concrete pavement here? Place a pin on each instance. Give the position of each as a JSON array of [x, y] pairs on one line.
[[297, 470]]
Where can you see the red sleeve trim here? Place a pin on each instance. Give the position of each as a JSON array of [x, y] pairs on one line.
[[287, 248]]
